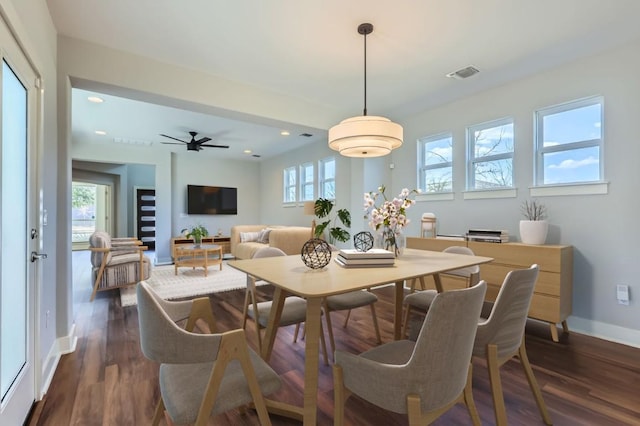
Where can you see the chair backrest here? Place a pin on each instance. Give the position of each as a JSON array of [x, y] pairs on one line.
[[268, 252], [442, 352], [161, 339], [472, 273], [428, 225], [99, 239], [508, 317]]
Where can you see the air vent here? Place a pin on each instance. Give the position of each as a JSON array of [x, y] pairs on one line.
[[463, 73], [306, 135]]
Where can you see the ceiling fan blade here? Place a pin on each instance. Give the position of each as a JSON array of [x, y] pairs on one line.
[[171, 137], [172, 143], [215, 146], [202, 140]]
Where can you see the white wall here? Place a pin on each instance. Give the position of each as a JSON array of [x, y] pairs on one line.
[[602, 228]]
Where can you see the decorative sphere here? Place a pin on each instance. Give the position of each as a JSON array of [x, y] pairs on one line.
[[316, 253], [363, 241]]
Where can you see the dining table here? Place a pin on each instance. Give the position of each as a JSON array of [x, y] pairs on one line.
[[290, 276]]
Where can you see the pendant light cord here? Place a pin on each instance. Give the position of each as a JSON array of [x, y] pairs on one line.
[[365, 75]]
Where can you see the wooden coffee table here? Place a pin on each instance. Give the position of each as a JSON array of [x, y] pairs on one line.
[[198, 256]]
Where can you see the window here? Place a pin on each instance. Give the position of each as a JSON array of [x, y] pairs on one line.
[[306, 182], [289, 185], [435, 167], [327, 178], [490, 155], [569, 143]]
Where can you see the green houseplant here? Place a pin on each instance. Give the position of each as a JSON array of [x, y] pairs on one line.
[[196, 232], [323, 209]]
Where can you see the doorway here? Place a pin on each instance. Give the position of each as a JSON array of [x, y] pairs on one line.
[[90, 207]]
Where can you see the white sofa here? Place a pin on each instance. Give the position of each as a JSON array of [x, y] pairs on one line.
[[245, 239]]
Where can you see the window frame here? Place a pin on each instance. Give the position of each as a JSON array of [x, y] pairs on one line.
[[323, 180], [286, 172], [304, 183], [472, 160], [540, 150], [423, 167]]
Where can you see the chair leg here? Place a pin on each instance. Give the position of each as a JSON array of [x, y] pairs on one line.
[[332, 342], [374, 318], [414, 412], [468, 398], [338, 396], [346, 320], [159, 413], [296, 332], [405, 323], [533, 383], [245, 308], [496, 386]]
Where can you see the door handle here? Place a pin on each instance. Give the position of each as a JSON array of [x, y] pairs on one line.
[[37, 256]]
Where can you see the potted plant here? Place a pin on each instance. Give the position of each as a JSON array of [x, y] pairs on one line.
[[196, 232], [533, 230], [323, 209]]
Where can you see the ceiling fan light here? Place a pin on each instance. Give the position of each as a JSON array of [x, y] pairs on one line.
[[365, 136]]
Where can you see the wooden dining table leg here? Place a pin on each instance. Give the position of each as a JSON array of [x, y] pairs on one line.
[[397, 316], [312, 328], [274, 318]]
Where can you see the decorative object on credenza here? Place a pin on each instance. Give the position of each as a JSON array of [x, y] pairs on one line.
[[323, 208], [534, 229], [363, 241], [316, 253], [196, 232], [388, 219]]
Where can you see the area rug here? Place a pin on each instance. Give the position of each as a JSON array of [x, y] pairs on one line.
[[188, 282]]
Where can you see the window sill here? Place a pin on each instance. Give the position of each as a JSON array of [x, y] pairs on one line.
[[435, 196], [490, 193], [591, 188]]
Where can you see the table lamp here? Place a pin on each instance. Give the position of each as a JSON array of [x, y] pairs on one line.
[[309, 210]]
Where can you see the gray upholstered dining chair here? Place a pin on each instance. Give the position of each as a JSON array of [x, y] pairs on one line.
[[501, 337], [424, 378], [421, 300], [294, 311], [200, 374], [349, 301]]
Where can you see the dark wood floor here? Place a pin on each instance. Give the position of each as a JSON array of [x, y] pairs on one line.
[[107, 380]]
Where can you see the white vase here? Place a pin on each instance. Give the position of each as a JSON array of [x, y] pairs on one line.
[[533, 231]]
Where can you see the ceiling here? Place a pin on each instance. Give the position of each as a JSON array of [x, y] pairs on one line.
[[312, 51]]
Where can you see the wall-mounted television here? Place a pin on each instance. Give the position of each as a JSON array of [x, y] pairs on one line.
[[211, 200]]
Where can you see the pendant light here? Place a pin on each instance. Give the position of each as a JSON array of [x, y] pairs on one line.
[[365, 135]]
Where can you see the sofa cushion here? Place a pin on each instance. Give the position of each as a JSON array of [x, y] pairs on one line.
[[264, 236], [247, 250], [248, 237]]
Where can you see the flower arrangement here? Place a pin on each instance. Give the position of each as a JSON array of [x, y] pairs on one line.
[[196, 232], [390, 215]]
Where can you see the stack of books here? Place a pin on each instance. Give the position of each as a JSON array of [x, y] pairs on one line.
[[374, 258], [488, 235], [453, 237]]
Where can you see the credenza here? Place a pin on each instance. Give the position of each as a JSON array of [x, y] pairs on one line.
[[552, 296], [222, 241]]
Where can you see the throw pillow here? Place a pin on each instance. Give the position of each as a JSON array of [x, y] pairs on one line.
[[264, 236], [247, 237]]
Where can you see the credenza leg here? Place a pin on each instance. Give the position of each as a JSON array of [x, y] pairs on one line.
[[565, 327], [554, 332]]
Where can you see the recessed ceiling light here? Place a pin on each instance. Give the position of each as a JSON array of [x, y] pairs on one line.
[[247, 151], [95, 99], [285, 133], [101, 132]]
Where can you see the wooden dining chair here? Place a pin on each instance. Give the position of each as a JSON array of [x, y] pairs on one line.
[[501, 337], [200, 374], [421, 300], [425, 378], [294, 311]]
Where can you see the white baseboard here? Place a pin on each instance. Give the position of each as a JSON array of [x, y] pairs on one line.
[[602, 330], [62, 345]]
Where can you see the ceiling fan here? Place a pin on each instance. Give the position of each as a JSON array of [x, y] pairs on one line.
[[193, 145]]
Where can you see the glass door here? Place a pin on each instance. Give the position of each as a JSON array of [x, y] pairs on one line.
[[18, 215]]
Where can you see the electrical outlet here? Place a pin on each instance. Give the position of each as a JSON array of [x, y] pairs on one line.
[[622, 292]]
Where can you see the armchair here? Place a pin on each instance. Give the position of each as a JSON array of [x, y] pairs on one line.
[[116, 262]]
